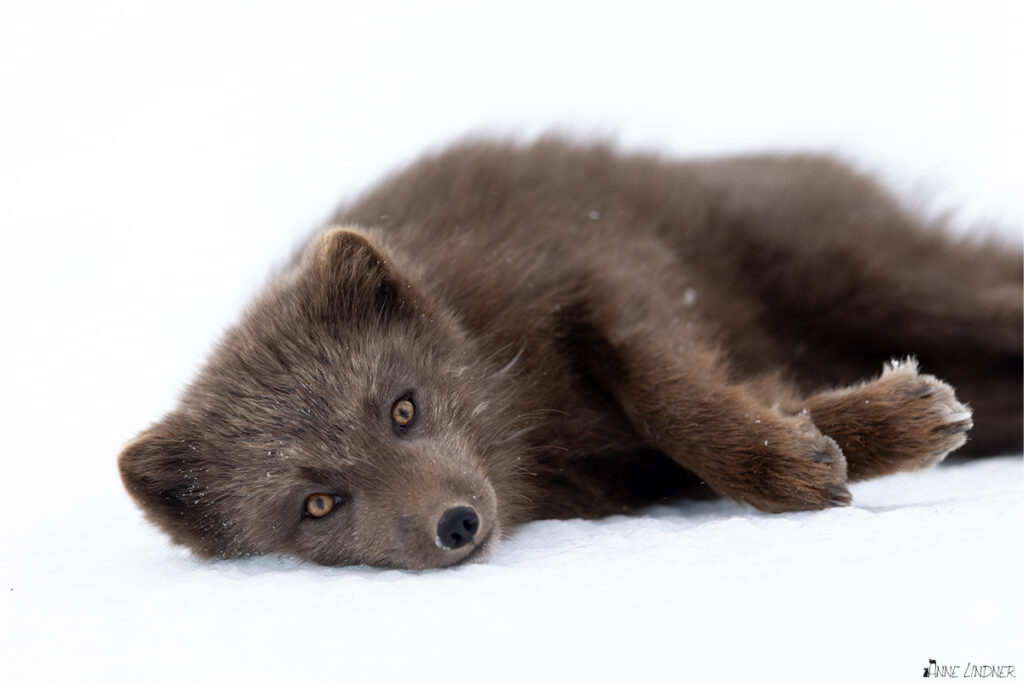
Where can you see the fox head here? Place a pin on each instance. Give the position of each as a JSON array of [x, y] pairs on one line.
[[347, 419]]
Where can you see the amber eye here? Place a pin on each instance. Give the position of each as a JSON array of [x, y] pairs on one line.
[[320, 504], [403, 412]]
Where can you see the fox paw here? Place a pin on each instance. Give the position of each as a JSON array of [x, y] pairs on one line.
[[793, 467], [901, 421], [928, 422]]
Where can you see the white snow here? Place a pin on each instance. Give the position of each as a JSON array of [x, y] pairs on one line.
[[157, 162]]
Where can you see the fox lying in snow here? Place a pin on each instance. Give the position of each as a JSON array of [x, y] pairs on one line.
[[504, 333]]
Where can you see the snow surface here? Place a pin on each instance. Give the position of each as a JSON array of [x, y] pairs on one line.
[[157, 162]]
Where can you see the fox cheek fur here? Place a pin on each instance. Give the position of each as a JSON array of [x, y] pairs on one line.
[[263, 428]]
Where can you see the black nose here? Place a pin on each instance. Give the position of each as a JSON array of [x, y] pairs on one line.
[[457, 527]]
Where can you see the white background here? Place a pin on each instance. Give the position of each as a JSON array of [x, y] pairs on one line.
[[156, 162]]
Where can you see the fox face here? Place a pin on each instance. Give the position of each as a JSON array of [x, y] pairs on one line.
[[344, 420]]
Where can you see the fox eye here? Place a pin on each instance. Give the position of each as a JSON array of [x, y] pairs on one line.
[[321, 504], [403, 412]]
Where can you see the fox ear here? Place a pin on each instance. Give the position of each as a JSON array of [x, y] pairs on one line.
[[352, 279], [162, 473]]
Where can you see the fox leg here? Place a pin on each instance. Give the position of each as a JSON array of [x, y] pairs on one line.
[[740, 444]]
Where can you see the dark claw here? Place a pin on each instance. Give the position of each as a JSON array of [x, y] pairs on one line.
[[838, 495], [823, 456], [922, 391], [958, 427]]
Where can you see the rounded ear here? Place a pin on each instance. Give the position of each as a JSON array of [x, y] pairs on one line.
[[352, 280], [162, 473]]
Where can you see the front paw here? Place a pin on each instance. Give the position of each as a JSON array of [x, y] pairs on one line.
[[901, 421], [926, 423], [791, 466]]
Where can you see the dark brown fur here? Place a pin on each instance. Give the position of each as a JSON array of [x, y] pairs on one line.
[[582, 333]]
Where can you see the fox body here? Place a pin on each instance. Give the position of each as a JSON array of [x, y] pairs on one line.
[[503, 333]]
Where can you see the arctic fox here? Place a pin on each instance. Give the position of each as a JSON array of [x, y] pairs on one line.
[[503, 333]]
